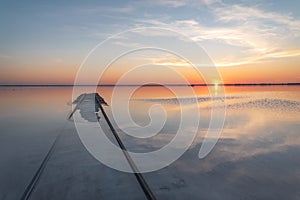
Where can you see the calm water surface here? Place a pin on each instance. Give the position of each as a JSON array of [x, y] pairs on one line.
[[256, 157]]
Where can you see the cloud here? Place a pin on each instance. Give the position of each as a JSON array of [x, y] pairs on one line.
[[238, 13], [4, 56], [258, 33], [170, 3], [57, 60], [107, 9], [198, 32], [181, 3]]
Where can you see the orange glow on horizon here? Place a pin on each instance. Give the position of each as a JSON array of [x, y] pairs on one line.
[[281, 72]]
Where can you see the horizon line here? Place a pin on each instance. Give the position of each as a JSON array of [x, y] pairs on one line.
[[147, 85]]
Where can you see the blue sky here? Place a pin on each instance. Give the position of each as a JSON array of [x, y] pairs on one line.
[[41, 34]]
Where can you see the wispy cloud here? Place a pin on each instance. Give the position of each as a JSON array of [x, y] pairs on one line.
[[4, 56], [180, 3], [260, 34], [107, 9], [57, 60], [234, 36], [238, 13], [171, 3], [255, 34]]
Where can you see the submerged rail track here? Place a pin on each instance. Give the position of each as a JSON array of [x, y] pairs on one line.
[[146, 189], [99, 100]]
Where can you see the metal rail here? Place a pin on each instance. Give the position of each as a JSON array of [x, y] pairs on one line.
[[31, 186], [146, 189], [79, 102], [29, 189]]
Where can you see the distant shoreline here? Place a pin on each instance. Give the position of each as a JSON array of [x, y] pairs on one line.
[[148, 85]]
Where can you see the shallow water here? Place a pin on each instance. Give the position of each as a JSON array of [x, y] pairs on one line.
[[256, 157]]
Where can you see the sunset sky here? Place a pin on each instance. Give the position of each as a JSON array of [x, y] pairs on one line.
[[249, 41]]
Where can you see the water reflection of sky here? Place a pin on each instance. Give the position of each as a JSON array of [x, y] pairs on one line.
[[250, 115], [257, 156]]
